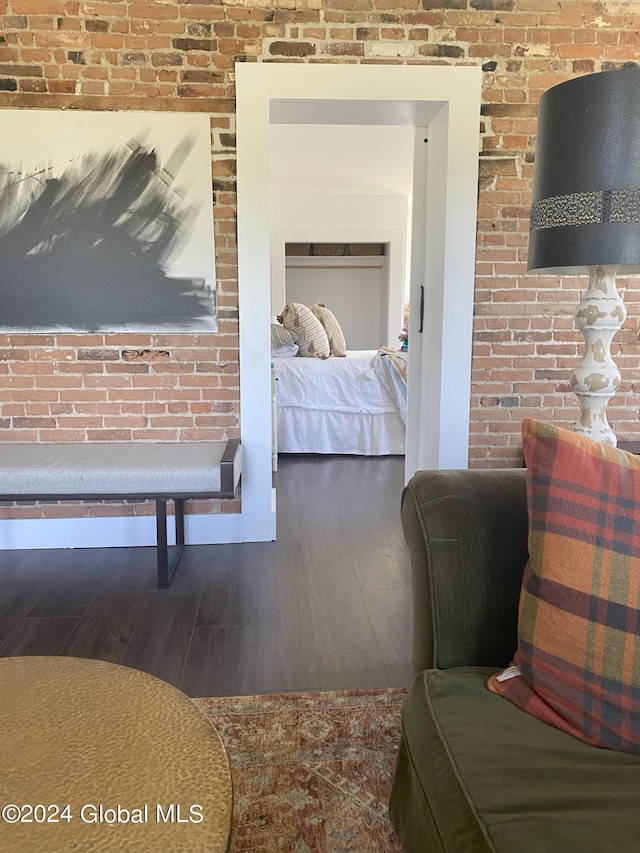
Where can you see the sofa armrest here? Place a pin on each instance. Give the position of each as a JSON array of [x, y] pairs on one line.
[[467, 536]]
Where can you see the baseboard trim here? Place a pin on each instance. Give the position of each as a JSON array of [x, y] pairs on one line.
[[121, 531]]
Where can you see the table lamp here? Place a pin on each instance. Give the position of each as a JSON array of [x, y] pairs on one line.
[[585, 216]]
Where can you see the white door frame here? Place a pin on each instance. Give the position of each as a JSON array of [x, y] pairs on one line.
[[444, 103]]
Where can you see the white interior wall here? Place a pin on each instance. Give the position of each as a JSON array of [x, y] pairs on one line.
[[354, 288], [342, 177], [341, 159]]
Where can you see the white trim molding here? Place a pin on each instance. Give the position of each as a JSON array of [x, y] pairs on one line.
[[114, 532]]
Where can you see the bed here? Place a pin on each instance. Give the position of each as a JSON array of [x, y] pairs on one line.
[[352, 405]]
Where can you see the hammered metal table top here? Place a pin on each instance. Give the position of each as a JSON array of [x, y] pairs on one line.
[[100, 757]]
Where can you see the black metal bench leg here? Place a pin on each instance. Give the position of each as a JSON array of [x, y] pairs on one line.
[[179, 513], [168, 562]]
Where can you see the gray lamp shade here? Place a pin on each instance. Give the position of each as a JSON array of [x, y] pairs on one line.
[[586, 188]]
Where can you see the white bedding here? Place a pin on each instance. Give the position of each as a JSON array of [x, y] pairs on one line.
[[350, 405]]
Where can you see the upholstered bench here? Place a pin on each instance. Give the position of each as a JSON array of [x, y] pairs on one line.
[[133, 471]]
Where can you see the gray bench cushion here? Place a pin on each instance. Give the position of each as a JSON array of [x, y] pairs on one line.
[[113, 468]]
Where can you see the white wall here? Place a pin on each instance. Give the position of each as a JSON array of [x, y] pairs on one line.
[[346, 178], [341, 159]]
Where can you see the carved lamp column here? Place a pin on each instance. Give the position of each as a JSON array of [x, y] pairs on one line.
[[585, 216]]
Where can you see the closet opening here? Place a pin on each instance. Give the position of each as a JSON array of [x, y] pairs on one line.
[[352, 280]]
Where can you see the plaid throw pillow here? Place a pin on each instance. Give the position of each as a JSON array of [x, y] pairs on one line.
[[577, 665]]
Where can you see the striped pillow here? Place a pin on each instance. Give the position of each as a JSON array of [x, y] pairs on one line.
[[337, 342], [307, 330], [577, 665]]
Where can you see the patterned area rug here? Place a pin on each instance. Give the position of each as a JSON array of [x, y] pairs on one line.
[[311, 771]]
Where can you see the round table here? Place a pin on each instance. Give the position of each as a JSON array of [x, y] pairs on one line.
[[100, 757]]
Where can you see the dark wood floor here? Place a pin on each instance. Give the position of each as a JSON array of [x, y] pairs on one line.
[[325, 607]]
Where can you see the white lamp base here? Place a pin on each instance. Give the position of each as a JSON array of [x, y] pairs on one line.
[[599, 315]]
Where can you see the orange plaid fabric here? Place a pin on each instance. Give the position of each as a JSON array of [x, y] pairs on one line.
[[578, 655]]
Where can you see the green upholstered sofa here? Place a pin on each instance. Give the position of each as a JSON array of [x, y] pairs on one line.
[[474, 773]]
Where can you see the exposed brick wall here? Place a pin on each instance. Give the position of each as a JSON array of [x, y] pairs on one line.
[[180, 56]]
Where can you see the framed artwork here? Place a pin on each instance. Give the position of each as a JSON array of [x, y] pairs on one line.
[[106, 222]]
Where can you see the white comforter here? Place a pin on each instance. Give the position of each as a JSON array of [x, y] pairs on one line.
[[351, 384], [352, 405]]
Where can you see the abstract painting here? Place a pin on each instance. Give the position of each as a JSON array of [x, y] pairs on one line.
[[106, 222]]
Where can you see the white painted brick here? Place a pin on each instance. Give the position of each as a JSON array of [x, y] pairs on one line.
[[390, 49]]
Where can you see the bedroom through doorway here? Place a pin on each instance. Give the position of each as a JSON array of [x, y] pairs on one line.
[[340, 207], [355, 401]]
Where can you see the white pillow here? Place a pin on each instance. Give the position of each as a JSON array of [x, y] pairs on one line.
[[284, 352], [283, 344]]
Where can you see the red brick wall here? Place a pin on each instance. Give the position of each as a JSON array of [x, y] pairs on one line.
[[180, 56]]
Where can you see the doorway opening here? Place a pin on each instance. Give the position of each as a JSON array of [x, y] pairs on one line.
[[442, 105]]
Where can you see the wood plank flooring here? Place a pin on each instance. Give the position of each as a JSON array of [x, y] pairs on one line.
[[325, 607]]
